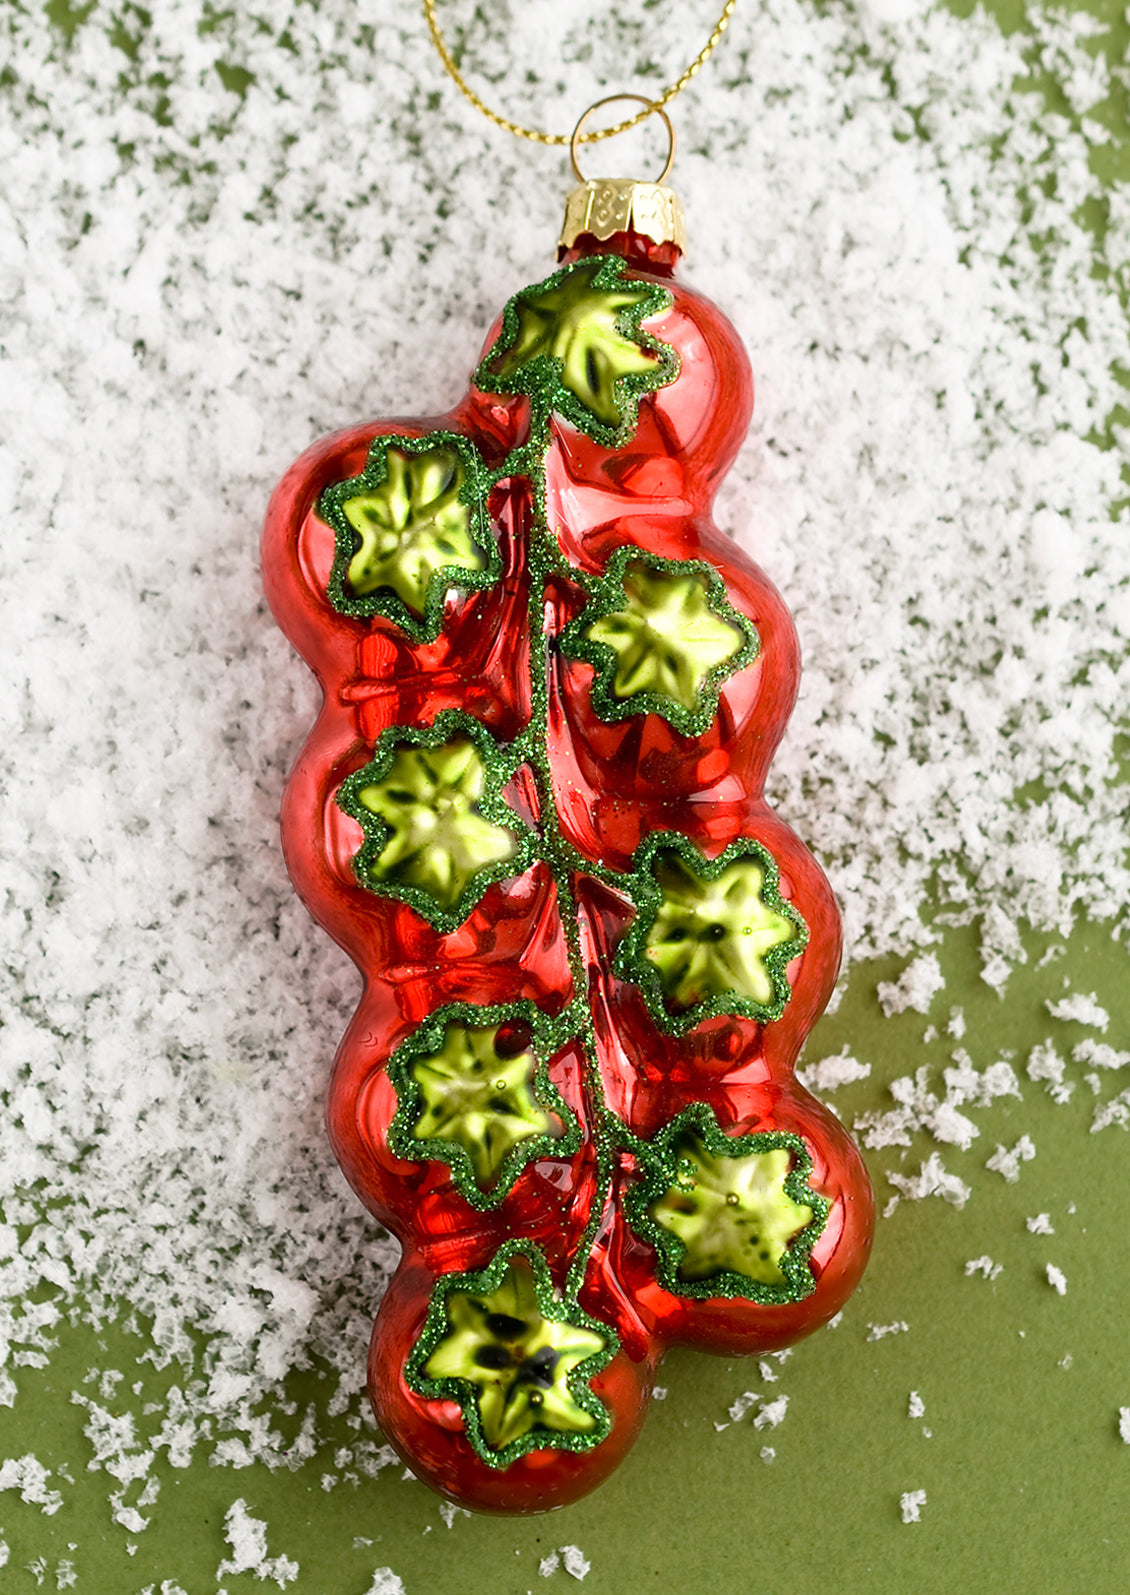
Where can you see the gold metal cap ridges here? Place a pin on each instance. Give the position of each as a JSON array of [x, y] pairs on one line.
[[607, 205]]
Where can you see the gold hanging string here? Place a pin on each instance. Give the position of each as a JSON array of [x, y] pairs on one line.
[[533, 133]]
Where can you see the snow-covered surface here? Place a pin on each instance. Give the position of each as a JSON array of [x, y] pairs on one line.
[[223, 234]]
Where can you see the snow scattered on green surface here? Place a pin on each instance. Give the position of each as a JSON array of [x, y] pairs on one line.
[[828, 1074], [915, 988], [983, 1266], [247, 1537], [195, 281], [881, 1331], [1057, 1279], [1006, 1161], [932, 1179], [1083, 1008], [386, 1582], [28, 1475], [911, 1504], [570, 1557]]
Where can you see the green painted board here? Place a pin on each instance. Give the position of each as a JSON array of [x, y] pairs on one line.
[[1023, 1467]]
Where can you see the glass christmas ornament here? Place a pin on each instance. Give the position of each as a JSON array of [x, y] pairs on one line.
[[531, 810]]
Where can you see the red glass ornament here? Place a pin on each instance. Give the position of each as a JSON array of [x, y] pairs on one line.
[[613, 784]]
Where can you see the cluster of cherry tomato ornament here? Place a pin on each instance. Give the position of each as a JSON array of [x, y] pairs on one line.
[[532, 812]]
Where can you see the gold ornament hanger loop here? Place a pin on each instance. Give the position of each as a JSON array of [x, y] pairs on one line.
[[611, 99], [538, 137]]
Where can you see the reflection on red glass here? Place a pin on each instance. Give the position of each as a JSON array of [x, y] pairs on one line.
[[611, 784]]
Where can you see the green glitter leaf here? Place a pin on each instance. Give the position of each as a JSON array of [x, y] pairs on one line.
[[574, 345], [412, 525], [727, 1215], [662, 637], [712, 936], [517, 1358], [473, 1092], [437, 831]]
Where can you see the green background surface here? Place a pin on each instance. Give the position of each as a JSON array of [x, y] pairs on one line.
[[1026, 1478]]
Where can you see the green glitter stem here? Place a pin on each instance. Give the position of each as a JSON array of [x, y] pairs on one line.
[[563, 860]]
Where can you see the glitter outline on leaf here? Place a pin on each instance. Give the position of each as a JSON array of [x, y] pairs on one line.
[[677, 913], [677, 1175], [579, 332], [516, 1288], [479, 818], [618, 594], [390, 492], [429, 1043]]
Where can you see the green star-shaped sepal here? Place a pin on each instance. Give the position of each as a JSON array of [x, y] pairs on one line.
[[473, 1091], [727, 1215], [412, 525], [573, 344], [662, 636], [712, 936], [516, 1357], [437, 831]]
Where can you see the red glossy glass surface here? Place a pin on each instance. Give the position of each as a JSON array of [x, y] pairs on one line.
[[613, 785]]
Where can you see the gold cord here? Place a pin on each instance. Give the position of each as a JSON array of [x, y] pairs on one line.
[[565, 138]]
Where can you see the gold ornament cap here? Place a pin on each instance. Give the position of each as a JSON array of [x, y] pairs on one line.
[[607, 205], [603, 206]]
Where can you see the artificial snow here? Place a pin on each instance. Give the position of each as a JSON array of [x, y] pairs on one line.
[[915, 988], [575, 1562], [1099, 1055], [1057, 1279], [1045, 1063], [247, 1537], [194, 284], [881, 1331], [828, 1074], [932, 1179], [770, 1410], [921, 1108], [1082, 1008], [771, 1413], [385, 1582], [1116, 1111], [911, 1504], [985, 1267], [571, 1557], [1006, 1161], [28, 1475]]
